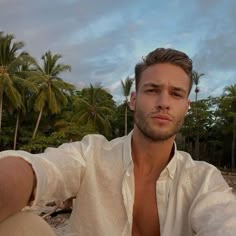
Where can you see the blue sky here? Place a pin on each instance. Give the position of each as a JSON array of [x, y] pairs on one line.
[[103, 40]]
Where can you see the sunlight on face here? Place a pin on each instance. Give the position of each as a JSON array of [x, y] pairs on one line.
[[161, 101]]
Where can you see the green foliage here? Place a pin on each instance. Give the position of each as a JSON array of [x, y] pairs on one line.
[[196, 77], [126, 89], [52, 90], [214, 127], [70, 131], [126, 86], [10, 80], [118, 121], [27, 88], [94, 106]]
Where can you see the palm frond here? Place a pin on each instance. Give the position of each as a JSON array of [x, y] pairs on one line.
[[126, 86], [40, 100]]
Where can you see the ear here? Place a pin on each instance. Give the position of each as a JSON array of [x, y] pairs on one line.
[[132, 101], [188, 106]]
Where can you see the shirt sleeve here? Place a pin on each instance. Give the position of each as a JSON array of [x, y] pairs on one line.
[[58, 171], [213, 212]]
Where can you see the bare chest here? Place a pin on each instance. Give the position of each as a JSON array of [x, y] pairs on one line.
[[145, 211]]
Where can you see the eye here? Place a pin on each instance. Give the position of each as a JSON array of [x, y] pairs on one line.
[[151, 91], [178, 95]]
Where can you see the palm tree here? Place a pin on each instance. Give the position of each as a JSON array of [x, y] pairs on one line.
[[26, 89], [126, 89], [10, 60], [94, 107], [230, 92], [196, 80], [52, 90]]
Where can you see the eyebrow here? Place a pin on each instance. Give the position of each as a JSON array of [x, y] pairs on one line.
[[180, 90], [154, 85]]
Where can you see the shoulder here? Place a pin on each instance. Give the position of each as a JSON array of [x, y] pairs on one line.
[[199, 174], [93, 139], [94, 144], [188, 164], [101, 141]]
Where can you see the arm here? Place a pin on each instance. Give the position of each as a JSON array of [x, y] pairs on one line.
[[58, 174], [16, 185], [214, 211]]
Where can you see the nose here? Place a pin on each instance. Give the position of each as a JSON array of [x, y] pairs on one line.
[[163, 102]]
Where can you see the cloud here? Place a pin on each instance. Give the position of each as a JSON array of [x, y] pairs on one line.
[[103, 40], [217, 53]]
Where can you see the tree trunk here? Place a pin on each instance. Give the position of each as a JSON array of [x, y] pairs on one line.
[[197, 129], [37, 124], [16, 130], [126, 119], [233, 144]]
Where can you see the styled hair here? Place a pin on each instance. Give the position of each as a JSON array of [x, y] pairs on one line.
[[164, 55]]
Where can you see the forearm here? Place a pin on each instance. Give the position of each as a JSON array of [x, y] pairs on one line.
[[16, 185]]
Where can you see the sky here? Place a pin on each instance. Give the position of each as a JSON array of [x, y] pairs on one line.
[[103, 39]]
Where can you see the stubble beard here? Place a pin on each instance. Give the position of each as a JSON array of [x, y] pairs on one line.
[[141, 121]]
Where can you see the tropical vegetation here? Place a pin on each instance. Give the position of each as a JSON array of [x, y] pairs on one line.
[[38, 108]]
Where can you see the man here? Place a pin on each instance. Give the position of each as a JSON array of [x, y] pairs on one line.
[[138, 185]]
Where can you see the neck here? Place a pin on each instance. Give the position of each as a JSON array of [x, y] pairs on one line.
[[150, 157]]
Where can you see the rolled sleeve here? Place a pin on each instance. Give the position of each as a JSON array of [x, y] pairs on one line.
[[58, 171]]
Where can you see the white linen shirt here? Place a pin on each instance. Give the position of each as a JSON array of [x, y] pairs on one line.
[[192, 196]]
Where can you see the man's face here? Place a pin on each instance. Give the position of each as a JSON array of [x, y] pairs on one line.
[[161, 101]]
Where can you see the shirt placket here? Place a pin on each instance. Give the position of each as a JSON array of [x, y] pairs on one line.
[[128, 194], [162, 195]]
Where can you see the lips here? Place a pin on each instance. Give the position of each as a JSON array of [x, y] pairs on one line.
[[162, 117]]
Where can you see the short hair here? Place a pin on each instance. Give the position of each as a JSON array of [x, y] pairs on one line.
[[164, 55]]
